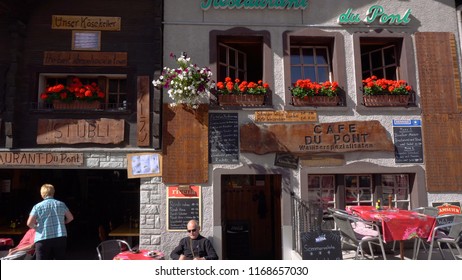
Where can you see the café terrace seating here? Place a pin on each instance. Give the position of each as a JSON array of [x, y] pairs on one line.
[[447, 230], [355, 232], [108, 249]]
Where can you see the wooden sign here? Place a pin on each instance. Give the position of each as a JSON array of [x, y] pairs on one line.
[[144, 165], [339, 137], [42, 159], [63, 58], [183, 205], [286, 116], [442, 129], [185, 144], [70, 131], [143, 119], [85, 22], [316, 160]]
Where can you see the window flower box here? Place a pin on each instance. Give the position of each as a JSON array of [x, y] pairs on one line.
[[308, 93], [385, 93], [76, 105], [237, 93]]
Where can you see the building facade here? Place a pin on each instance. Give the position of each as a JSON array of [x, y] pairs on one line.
[[236, 166]]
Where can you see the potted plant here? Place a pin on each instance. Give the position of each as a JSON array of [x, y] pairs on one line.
[[241, 93], [74, 96], [383, 92], [308, 93], [187, 83]]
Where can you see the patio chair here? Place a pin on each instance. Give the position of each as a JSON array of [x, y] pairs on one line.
[[356, 232], [108, 249], [429, 211], [447, 230]]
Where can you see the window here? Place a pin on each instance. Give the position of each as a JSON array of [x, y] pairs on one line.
[[380, 61], [316, 55], [321, 189], [358, 190], [385, 55], [240, 57], [308, 62], [396, 185], [113, 85]]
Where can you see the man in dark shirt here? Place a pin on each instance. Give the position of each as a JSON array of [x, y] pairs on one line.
[[194, 246]]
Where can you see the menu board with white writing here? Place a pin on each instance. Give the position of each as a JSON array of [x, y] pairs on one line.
[[408, 144], [223, 138]]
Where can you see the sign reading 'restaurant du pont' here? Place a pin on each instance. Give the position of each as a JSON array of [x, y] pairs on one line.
[[339, 137], [254, 4]]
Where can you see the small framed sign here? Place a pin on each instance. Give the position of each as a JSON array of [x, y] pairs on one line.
[[86, 40], [144, 165]]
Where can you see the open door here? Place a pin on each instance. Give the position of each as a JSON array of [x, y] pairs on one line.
[[251, 215]]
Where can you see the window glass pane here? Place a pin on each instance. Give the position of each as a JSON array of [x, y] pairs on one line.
[[378, 73], [376, 58], [365, 62], [222, 51], [389, 55], [309, 73], [295, 74], [313, 181], [241, 60], [308, 56], [295, 56], [113, 85], [364, 181], [390, 73], [223, 73], [232, 73], [321, 56], [232, 58], [323, 74], [123, 86], [241, 75]]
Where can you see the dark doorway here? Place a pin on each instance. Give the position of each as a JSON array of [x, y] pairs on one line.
[[251, 214], [97, 199]]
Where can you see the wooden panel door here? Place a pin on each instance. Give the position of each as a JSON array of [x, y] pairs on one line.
[[251, 216]]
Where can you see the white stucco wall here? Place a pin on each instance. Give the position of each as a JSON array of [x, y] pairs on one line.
[[187, 29]]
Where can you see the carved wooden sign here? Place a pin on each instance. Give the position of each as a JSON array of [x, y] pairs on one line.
[[339, 137], [143, 120], [83, 58], [37, 158], [85, 23], [70, 131]]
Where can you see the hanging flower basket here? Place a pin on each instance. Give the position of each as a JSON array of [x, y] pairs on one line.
[[316, 101], [241, 100], [386, 100], [76, 105]]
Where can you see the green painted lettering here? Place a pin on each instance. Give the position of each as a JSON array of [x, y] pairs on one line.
[[373, 13]]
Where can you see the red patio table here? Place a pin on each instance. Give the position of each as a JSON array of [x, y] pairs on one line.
[[6, 242], [140, 255], [397, 224]]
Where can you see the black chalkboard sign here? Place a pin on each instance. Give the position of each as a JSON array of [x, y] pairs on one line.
[[408, 144], [223, 138], [321, 245], [181, 211]]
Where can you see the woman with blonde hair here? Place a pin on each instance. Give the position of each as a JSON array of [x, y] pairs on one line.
[[49, 219]]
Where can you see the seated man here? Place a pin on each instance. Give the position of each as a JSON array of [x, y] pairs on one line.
[[194, 246], [25, 245]]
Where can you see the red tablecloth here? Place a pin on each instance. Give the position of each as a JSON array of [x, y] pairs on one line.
[[397, 224], [140, 255], [6, 242]]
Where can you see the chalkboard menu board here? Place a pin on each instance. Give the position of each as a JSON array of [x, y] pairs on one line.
[[408, 144], [183, 205], [223, 138], [181, 211], [321, 245]]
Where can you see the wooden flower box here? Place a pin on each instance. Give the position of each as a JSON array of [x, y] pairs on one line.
[[76, 105], [386, 100], [241, 100], [316, 101]]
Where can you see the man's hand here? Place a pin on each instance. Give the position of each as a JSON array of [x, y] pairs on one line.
[[182, 257]]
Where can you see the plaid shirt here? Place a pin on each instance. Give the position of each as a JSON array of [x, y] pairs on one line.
[[50, 219]]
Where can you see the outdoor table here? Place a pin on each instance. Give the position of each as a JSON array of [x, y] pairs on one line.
[[140, 255], [397, 225]]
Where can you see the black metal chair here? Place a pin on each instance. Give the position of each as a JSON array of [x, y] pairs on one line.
[[108, 249]]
